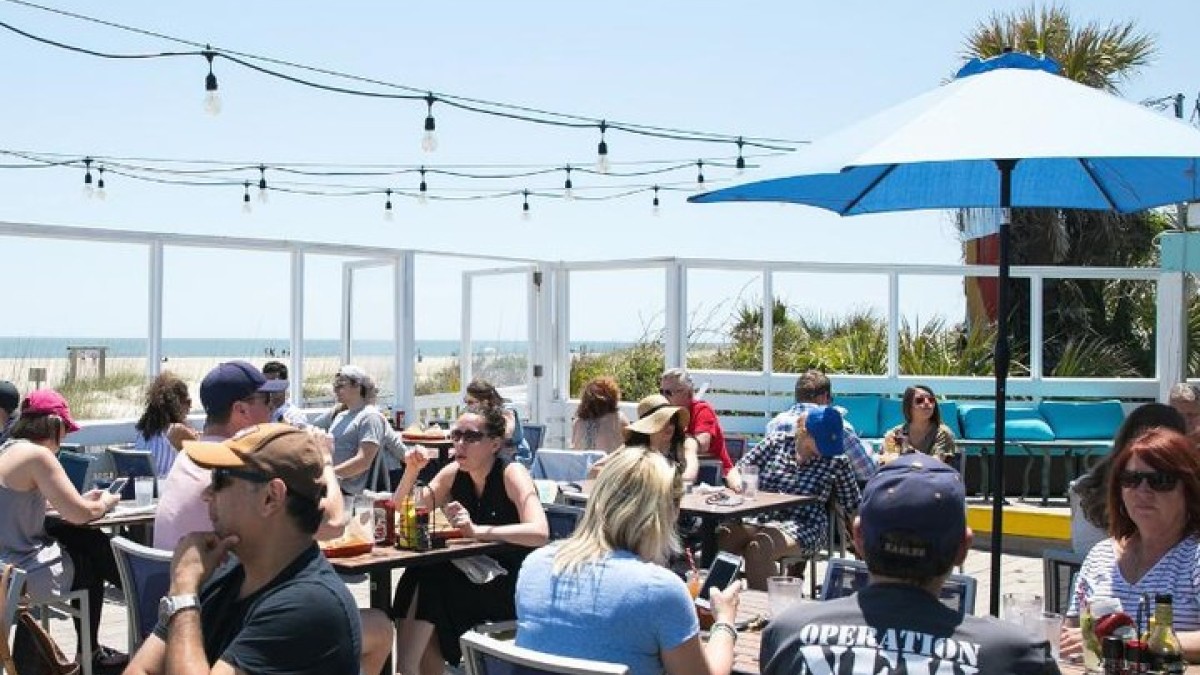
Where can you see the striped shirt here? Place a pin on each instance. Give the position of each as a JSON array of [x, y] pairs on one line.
[[160, 449], [1177, 573]]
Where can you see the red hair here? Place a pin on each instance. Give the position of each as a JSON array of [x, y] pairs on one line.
[[1163, 450]]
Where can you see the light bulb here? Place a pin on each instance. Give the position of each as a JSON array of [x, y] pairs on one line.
[[429, 141], [525, 215], [741, 161], [101, 193], [88, 191], [422, 199], [654, 209], [602, 164], [262, 184], [246, 208], [87, 178], [699, 176], [212, 103], [387, 206], [568, 186], [388, 215], [422, 190]]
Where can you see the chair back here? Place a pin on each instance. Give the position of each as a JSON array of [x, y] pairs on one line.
[[564, 465], [735, 446], [533, 435], [1059, 566], [131, 463], [562, 519], [709, 472], [145, 578], [487, 655], [845, 577], [12, 586], [78, 467]]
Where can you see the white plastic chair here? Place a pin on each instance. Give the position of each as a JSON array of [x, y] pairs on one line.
[[487, 655], [59, 605]]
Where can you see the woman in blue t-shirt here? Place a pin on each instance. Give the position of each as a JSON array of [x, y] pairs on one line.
[[610, 573]]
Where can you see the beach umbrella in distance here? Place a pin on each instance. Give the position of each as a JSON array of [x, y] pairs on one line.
[[1006, 132]]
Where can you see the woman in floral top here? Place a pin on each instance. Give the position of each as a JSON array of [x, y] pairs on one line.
[[922, 430]]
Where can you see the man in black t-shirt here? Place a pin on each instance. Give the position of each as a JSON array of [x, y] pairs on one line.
[[911, 529], [280, 607]]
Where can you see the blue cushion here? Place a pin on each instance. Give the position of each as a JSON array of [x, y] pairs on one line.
[[1020, 424], [1091, 420], [891, 413], [949, 410], [863, 413]]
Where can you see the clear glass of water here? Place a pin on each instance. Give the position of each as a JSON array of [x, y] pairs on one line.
[[143, 490], [749, 481]]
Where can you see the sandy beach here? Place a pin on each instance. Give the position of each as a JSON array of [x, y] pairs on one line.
[[121, 395]]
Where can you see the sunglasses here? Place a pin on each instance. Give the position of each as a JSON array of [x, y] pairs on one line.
[[468, 436], [667, 392], [1158, 481], [923, 399], [222, 477]]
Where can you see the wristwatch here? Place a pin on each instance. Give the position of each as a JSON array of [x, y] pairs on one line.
[[171, 605]]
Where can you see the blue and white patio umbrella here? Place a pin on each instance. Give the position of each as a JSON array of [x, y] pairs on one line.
[[1006, 132]]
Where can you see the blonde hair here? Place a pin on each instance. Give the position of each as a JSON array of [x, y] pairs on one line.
[[633, 507]]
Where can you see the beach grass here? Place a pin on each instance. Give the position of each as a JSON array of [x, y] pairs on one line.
[[94, 398]]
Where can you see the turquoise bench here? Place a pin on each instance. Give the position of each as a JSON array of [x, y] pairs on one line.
[[1073, 430]]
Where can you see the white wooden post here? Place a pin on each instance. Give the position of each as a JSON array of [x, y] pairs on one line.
[[154, 303]]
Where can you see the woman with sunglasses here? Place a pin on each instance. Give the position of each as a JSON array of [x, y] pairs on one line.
[[487, 498], [922, 430], [604, 593], [1155, 537]]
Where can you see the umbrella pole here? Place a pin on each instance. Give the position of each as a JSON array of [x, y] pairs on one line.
[[1001, 356]]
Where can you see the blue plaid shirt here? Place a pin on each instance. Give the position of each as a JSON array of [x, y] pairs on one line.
[[861, 457], [822, 477]]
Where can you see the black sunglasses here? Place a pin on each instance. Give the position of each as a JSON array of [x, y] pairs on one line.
[[1159, 481], [221, 477], [468, 436], [667, 392]]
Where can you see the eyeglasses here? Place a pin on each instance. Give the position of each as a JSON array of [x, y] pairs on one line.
[[468, 436], [922, 399], [221, 477], [1159, 481], [667, 392], [257, 398]]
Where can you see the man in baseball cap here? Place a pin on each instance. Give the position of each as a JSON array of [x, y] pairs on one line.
[[806, 459], [264, 500], [912, 530], [235, 395], [10, 398]]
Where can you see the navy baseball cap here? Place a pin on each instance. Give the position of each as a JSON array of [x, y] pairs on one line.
[[233, 381], [914, 512], [10, 398], [824, 424]]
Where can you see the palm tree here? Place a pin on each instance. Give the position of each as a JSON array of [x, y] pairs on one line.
[[1103, 57]]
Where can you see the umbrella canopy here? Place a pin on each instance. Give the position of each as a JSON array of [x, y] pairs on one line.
[[1007, 132]]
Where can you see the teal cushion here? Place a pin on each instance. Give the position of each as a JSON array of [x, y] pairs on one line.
[[1020, 424], [1090, 420], [862, 412], [891, 413], [949, 410]]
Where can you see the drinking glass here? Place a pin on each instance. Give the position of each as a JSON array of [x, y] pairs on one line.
[[1020, 608], [695, 581], [783, 592], [749, 481], [1048, 626], [143, 490]]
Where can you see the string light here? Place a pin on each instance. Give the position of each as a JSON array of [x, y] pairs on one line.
[[602, 164], [525, 215], [655, 209], [246, 208], [212, 100], [429, 141], [700, 175], [87, 177], [741, 161], [262, 184], [101, 194], [568, 187], [423, 190], [387, 206]]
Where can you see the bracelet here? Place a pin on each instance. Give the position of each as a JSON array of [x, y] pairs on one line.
[[723, 626]]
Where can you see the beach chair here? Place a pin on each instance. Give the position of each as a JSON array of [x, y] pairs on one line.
[[78, 467], [145, 577], [486, 654]]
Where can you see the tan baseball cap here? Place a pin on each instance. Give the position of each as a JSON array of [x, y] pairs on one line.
[[276, 450]]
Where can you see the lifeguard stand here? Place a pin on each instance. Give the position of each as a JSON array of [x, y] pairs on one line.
[[75, 355]]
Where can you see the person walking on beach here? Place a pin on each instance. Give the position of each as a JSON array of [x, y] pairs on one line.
[[10, 398]]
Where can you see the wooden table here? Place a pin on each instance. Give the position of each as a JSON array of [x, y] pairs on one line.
[[379, 563], [114, 518], [745, 653], [710, 511]]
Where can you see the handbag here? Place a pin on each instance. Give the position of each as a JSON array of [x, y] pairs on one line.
[[6, 659], [35, 652]]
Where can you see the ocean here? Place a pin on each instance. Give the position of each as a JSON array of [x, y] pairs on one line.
[[39, 347]]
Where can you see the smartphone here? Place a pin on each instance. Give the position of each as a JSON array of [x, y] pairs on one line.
[[723, 571], [117, 485]]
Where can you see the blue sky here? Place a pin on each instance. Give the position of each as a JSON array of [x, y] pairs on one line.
[[788, 70]]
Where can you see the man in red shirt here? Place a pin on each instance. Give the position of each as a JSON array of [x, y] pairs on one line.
[[676, 384]]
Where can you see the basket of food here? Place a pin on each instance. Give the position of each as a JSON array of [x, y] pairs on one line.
[[343, 547], [418, 435]]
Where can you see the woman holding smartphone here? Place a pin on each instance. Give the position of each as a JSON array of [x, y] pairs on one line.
[[610, 573], [56, 556]]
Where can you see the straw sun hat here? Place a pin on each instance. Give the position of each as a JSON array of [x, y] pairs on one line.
[[654, 413]]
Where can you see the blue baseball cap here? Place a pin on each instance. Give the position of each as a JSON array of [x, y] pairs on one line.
[[233, 381], [824, 424], [914, 512]]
